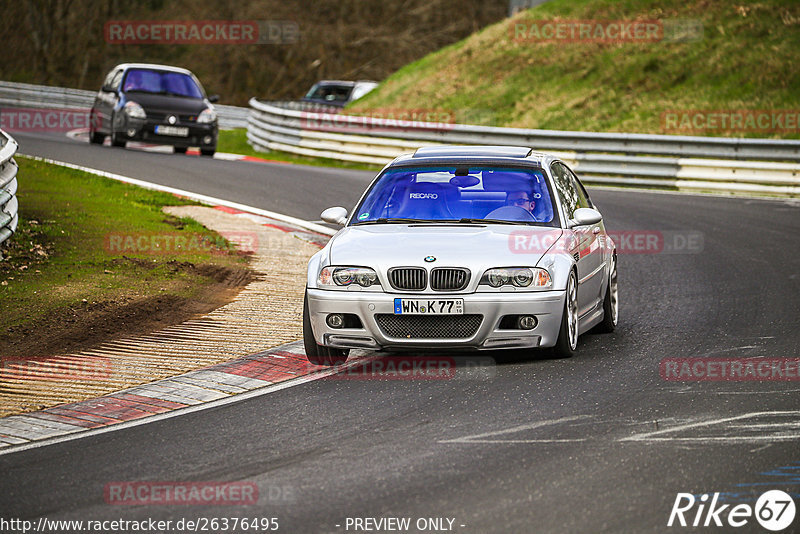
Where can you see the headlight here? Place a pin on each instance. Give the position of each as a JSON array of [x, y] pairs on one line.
[[345, 276], [207, 115], [134, 110], [517, 276]]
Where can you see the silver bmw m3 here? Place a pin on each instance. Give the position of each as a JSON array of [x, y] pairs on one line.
[[467, 248]]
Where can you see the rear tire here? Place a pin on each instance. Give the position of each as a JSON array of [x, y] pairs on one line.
[[316, 353], [610, 302], [180, 149], [567, 340], [94, 137]]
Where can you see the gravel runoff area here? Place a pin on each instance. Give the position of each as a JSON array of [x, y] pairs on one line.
[[266, 313]]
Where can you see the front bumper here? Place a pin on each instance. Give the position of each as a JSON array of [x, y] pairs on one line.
[[202, 135], [547, 306]]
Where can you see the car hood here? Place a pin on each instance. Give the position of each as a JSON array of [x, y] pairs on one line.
[[167, 104], [476, 247]]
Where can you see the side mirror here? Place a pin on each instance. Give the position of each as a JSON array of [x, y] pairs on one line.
[[335, 215], [584, 217], [107, 89], [213, 99]]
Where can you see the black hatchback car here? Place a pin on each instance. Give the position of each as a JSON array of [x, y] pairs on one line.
[[154, 104]]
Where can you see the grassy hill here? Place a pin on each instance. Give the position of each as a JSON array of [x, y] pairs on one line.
[[747, 58]]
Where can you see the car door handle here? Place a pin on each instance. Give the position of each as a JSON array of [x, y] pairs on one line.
[[596, 230]]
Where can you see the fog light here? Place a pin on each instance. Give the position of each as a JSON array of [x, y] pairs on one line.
[[526, 322], [131, 132], [335, 320], [207, 140]]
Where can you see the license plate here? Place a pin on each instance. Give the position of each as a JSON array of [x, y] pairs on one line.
[[177, 131], [428, 306]]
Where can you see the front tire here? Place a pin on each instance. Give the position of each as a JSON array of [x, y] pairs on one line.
[[567, 340], [180, 149], [116, 139], [316, 353], [207, 152]]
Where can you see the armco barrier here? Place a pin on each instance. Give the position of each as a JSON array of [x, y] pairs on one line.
[[8, 187], [751, 166], [25, 95]]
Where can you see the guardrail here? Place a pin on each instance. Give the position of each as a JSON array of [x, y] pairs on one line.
[[639, 160], [13, 94], [9, 216]]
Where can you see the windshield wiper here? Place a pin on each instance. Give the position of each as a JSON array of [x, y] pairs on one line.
[[395, 220], [493, 221]]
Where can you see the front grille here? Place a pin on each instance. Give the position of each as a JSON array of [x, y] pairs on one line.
[[408, 278], [429, 326], [449, 279], [182, 117]]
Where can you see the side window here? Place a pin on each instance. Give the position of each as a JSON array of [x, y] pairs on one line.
[[116, 80], [568, 196], [583, 197]]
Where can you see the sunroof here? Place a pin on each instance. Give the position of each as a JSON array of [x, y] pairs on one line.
[[485, 151]]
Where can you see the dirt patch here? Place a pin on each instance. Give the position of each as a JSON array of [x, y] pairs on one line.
[[148, 336], [92, 323]]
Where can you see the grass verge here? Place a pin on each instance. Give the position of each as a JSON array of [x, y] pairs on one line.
[[94, 259]]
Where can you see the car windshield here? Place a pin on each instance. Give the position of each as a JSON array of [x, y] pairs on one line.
[[330, 92], [461, 194], [161, 82]]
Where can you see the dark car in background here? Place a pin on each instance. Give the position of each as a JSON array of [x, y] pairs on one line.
[[154, 104], [337, 92]]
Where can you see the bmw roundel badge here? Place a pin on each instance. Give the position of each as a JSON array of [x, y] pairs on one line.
[[430, 259]]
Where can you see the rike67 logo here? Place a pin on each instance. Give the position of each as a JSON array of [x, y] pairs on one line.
[[774, 510]]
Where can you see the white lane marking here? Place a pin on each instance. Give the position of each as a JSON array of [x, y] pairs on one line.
[[790, 424], [689, 389], [659, 435], [189, 409], [479, 438], [731, 349], [727, 439], [203, 199]]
